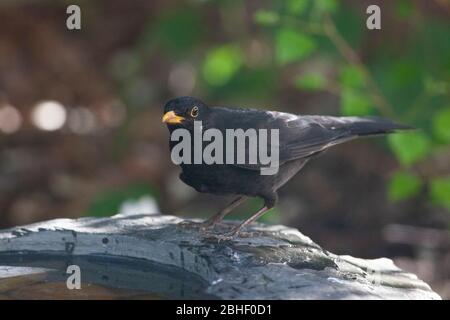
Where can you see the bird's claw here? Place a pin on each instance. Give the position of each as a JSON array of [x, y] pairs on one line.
[[206, 227], [228, 236], [225, 237]]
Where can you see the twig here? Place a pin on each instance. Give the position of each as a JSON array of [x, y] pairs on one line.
[[352, 57], [308, 27]]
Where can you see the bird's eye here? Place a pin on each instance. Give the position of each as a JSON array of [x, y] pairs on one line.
[[194, 112]]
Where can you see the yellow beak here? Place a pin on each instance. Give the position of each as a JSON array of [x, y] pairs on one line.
[[171, 118]]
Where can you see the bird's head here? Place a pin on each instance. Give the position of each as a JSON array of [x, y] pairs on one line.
[[183, 111]]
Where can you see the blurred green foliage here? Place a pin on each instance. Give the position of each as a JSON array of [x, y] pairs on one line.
[[297, 6], [109, 202], [441, 125], [221, 64], [266, 17], [311, 81], [371, 72], [355, 103], [404, 185], [292, 45], [351, 76], [177, 31], [410, 148], [406, 80], [440, 191]]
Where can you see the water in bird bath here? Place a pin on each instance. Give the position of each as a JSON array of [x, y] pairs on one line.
[[44, 276]]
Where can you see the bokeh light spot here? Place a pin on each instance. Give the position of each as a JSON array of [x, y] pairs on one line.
[[182, 79], [49, 115], [81, 121], [10, 119]]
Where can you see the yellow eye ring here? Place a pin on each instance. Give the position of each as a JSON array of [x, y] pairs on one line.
[[194, 112]]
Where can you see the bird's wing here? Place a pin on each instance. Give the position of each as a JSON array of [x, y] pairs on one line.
[[305, 136], [302, 136]]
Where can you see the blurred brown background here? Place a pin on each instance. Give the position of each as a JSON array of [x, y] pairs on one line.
[[80, 113]]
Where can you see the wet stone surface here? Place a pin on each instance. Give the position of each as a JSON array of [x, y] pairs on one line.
[[159, 256]]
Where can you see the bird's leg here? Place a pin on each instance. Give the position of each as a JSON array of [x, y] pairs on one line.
[[269, 203], [235, 232], [254, 217], [211, 222]]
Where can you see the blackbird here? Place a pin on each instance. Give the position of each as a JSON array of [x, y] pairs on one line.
[[301, 137]]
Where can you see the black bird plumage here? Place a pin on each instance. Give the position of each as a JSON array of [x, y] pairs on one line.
[[300, 138]]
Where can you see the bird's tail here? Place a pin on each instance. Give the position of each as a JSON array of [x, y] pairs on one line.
[[324, 132], [366, 126]]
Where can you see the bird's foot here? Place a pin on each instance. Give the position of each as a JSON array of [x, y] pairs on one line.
[[226, 236], [206, 227]]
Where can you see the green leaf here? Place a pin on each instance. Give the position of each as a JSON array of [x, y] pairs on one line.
[[352, 76], [409, 147], [266, 17], [441, 125], [403, 185], [221, 64], [326, 5], [311, 81], [354, 103], [297, 6], [440, 191], [292, 45]]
